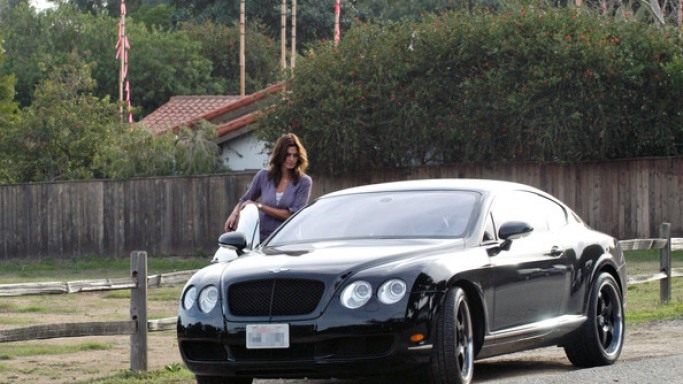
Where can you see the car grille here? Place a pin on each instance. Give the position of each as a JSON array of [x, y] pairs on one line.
[[275, 297]]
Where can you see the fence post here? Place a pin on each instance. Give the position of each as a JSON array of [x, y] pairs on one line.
[[665, 263], [138, 311]]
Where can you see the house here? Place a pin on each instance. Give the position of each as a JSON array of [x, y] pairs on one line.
[[234, 117]]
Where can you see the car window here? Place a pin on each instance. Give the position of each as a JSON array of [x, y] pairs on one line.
[[542, 213], [409, 214]]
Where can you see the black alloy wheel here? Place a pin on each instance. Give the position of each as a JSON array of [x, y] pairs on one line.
[[453, 355], [600, 340]]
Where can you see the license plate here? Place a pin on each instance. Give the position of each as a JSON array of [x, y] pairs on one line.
[[262, 336]]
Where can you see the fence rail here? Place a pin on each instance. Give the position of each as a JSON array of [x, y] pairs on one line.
[[138, 306]]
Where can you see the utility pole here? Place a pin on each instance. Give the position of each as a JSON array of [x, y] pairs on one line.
[[122, 47], [283, 35], [293, 58], [242, 61], [337, 14]]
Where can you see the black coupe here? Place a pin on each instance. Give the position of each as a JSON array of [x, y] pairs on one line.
[[419, 276]]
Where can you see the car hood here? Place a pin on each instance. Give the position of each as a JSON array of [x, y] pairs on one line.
[[333, 258]]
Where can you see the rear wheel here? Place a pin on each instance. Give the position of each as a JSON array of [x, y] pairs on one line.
[[453, 357], [601, 338], [223, 380]]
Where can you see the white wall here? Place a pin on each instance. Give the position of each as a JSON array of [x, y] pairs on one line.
[[245, 153]]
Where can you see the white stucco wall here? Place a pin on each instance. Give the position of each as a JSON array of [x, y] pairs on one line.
[[245, 153]]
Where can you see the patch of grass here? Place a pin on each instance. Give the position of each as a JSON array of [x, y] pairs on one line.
[[647, 262], [123, 294], [643, 302], [156, 294], [16, 320], [90, 267], [13, 350], [4, 368], [176, 376]]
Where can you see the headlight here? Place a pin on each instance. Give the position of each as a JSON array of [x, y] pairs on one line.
[[392, 291], [208, 298], [356, 294], [190, 297]]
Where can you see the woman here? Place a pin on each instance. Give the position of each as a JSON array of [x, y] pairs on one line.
[[274, 194]]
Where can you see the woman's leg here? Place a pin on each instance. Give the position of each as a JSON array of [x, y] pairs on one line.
[[249, 225]]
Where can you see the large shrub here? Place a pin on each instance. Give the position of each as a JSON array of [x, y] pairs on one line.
[[484, 86]]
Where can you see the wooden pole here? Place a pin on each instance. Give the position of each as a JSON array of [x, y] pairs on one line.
[[337, 14], [283, 35], [122, 56], [242, 60], [665, 263], [293, 58], [138, 311]]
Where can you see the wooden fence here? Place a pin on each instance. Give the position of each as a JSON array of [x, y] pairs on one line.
[[185, 215], [138, 300], [137, 326]]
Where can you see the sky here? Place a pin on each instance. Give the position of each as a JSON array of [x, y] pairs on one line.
[[41, 4]]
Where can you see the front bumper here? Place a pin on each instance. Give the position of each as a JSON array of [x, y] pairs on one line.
[[318, 348]]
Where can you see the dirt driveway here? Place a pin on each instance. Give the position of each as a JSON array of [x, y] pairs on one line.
[[643, 341]]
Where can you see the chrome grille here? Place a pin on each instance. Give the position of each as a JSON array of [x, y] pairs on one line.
[[275, 297]]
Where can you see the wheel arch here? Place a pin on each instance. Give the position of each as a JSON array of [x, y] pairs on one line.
[[476, 304]]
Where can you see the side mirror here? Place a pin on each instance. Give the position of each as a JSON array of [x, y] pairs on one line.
[[233, 239], [513, 230], [230, 246]]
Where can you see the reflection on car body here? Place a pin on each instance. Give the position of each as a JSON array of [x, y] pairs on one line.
[[419, 277]]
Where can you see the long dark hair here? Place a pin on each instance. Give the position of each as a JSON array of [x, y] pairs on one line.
[[279, 154]]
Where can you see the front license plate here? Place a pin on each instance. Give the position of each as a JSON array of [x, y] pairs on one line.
[[261, 336]]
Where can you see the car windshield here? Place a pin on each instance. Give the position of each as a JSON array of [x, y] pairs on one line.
[[406, 214]]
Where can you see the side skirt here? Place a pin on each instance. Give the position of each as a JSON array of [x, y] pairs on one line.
[[541, 334]]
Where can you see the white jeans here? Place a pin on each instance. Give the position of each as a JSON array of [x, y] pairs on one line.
[[248, 224]]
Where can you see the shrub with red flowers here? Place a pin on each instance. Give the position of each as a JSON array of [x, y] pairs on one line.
[[530, 84]]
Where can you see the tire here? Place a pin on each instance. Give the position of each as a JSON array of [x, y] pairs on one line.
[[223, 380], [600, 339], [452, 360]]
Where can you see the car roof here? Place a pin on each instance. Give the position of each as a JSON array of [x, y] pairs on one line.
[[485, 186]]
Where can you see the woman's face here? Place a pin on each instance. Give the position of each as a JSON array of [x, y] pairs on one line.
[[292, 158]]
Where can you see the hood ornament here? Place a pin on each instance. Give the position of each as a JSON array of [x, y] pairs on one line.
[[278, 270]]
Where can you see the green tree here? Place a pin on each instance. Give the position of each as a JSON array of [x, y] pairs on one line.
[[531, 84], [186, 152], [8, 117], [220, 44], [62, 134]]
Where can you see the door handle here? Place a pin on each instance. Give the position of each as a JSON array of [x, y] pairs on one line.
[[555, 251]]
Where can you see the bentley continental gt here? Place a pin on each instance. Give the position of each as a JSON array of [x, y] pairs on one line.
[[418, 277]]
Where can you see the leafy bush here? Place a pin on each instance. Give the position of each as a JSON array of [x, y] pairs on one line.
[[527, 84]]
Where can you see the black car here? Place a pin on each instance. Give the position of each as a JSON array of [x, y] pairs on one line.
[[418, 276]]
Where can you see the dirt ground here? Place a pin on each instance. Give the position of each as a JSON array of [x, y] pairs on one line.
[[642, 341]]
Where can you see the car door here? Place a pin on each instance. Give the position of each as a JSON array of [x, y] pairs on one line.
[[530, 278]]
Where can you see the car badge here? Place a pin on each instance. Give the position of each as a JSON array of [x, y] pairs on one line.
[[278, 270]]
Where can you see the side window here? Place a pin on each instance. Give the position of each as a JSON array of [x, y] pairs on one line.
[[521, 206], [555, 214], [489, 230]]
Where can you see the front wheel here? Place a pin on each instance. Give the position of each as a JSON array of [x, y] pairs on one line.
[[453, 357], [600, 340], [223, 380]]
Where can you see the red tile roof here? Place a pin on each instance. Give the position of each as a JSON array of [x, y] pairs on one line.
[[229, 112], [182, 110]]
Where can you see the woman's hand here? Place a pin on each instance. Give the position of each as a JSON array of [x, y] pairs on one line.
[[231, 222]]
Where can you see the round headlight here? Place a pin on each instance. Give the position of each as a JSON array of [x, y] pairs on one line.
[[392, 291], [356, 294], [208, 298], [190, 297]]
